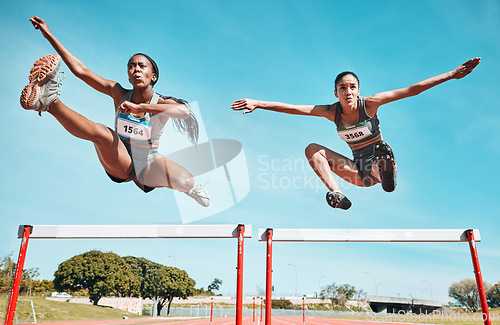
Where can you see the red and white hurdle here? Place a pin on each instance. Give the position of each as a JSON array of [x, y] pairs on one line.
[[27, 232], [472, 236]]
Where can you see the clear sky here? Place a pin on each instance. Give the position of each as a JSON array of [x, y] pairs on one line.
[[213, 52]]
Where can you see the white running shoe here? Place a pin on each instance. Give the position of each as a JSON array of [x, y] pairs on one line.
[[44, 84], [200, 195]]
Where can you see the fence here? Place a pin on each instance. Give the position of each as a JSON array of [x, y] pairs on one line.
[[203, 311]]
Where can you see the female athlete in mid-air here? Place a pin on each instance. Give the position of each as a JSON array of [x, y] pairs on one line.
[[130, 151], [357, 124]]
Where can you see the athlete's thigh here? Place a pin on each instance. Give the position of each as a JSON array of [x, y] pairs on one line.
[[163, 172], [342, 166], [113, 155]]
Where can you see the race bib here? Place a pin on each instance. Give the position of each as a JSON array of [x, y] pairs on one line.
[[355, 132], [132, 128]]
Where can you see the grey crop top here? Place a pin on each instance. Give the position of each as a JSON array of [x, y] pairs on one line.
[[366, 128], [146, 129]]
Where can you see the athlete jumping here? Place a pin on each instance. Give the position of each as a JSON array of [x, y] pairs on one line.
[[130, 151], [357, 124]]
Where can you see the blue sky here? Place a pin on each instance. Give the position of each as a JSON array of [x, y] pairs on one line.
[[445, 140]]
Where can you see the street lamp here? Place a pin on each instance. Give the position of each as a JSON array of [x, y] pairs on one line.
[[374, 282], [295, 278], [319, 282], [430, 287]]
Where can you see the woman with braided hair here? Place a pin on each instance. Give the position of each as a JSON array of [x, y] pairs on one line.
[[130, 151]]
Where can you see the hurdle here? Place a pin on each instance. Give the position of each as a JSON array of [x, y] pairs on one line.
[[372, 235], [27, 232]]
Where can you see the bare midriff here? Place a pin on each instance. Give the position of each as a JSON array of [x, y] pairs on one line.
[[144, 145], [358, 146]]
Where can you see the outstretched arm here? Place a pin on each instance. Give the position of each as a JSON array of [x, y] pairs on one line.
[[373, 102], [249, 105], [76, 66]]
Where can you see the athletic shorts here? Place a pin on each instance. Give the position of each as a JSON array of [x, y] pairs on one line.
[[141, 158], [363, 158]]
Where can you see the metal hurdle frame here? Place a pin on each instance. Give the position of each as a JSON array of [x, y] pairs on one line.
[[27, 232], [372, 235]]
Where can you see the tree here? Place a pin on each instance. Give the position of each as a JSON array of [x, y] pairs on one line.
[[99, 273], [346, 292], [174, 283], [28, 278], [215, 285], [331, 293], [338, 294], [148, 276], [43, 286], [466, 294], [360, 296], [493, 296], [160, 282], [7, 270]]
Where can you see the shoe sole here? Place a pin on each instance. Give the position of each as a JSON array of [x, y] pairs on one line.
[[43, 69], [386, 165], [333, 202]]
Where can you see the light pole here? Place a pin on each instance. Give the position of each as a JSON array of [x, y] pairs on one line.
[[374, 282], [295, 278], [175, 261], [319, 281], [430, 287]]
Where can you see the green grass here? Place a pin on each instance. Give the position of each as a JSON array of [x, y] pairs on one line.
[[54, 311]]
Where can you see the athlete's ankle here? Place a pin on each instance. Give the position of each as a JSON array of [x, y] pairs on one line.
[[53, 106]]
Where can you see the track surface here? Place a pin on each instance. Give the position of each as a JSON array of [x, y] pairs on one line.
[[276, 320]]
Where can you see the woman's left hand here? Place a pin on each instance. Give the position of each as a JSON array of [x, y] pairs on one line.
[[129, 107], [465, 68]]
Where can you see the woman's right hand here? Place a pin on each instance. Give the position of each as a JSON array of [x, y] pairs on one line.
[[246, 104], [466, 68], [41, 25]]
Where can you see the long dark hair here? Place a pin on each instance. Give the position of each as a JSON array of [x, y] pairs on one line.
[[189, 126]]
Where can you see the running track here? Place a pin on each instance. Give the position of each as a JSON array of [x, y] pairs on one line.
[[276, 320]]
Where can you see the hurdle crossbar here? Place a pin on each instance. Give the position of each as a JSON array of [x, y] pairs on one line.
[[369, 235], [133, 231], [372, 235], [27, 232]]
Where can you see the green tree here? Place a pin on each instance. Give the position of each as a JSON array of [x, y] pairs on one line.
[[215, 285], [346, 292], [100, 273], [28, 279], [331, 292], [7, 270], [338, 294], [466, 294], [493, 296], [148, 275], [43, 286], [174, 283]]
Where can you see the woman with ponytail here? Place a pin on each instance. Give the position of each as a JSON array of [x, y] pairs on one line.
[[130, 151]]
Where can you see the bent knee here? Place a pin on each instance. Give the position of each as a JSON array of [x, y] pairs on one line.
[[103, 135], [312, 149]]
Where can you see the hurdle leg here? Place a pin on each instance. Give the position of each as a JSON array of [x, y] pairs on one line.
[[239, 280], [14, 292], [479, 277], [269, 275]]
